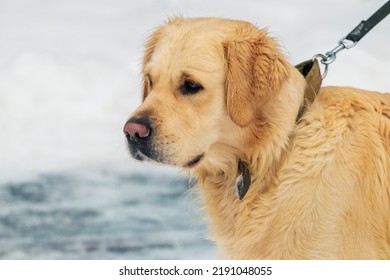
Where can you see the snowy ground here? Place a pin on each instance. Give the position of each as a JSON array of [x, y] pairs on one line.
[[69, 79], [101, 213]]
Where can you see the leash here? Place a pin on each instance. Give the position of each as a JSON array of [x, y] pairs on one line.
[[310, 69], [356, 34]]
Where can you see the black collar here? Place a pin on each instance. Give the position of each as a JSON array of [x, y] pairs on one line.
[[311, 71]]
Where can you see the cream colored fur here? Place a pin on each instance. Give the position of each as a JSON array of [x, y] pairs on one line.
[[320, 189]]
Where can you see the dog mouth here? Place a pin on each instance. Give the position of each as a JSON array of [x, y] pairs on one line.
[[194, 161], [145, 153], [142, 156]]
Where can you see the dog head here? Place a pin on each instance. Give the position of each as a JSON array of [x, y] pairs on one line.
[[207, 81]]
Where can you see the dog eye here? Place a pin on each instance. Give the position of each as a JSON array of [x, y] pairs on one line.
[[149, 81], [190, 87]]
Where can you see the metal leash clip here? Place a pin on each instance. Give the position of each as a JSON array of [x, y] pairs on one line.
[[343, 44], [330, 56]]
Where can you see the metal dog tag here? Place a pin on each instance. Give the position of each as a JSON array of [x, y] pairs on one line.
[[243, 181]]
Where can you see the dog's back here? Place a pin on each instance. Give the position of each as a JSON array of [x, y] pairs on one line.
[[335, 186]]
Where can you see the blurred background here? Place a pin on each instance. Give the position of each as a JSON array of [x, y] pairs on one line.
[[69, 78]]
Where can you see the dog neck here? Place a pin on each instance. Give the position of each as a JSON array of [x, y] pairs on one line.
[[311, 71], [217, 176], [231, 219]]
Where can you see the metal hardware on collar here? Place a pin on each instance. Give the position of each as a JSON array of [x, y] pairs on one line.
[[323, 59], [243, 180]]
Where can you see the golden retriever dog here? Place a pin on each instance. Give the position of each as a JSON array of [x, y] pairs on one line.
[[220, 100]]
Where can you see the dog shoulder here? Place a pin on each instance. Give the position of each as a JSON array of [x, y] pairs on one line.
[[338, 163], [346, 123]]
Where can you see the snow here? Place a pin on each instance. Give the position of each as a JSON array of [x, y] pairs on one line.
[[69, 71]]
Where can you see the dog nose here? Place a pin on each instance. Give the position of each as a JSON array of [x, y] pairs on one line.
[[136, 130]]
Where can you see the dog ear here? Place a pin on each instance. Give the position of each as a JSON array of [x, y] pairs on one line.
[[255, 71]]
